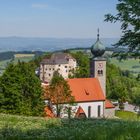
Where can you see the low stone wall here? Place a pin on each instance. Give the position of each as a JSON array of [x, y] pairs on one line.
[[109, 113]]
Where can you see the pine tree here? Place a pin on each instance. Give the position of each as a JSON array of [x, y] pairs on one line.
[[21, 91]]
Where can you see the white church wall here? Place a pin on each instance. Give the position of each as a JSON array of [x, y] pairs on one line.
[[85, 105]]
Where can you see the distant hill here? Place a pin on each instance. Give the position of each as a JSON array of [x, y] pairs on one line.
[[48, 44], [11, 54]]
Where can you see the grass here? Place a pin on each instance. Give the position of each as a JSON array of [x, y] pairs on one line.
[[34, 128], [132, 65], [126, 115], [23, 55]]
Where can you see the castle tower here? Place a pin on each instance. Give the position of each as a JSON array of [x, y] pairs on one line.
[[98, 63]]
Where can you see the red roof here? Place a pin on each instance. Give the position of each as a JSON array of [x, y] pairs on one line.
[[86, 89], [108, 104], [79, 111]]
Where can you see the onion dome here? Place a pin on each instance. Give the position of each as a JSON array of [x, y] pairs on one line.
[[98, 48]]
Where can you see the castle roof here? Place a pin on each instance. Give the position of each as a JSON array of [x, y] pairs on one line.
[[86, 89], [57, 58]]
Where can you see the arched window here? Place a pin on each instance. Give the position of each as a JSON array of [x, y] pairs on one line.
[[89, 111], [99, 111], [100, 72]]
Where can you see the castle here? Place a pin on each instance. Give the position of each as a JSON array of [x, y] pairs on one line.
[[62, 62]]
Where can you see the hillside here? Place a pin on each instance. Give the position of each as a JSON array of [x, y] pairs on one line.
[[25, 128], [47, 44], [130, 64]]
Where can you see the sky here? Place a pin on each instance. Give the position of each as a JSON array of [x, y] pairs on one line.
[[57, 18]]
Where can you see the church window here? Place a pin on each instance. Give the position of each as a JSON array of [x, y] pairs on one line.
[[89, 111], [100, 72], [99, 111]]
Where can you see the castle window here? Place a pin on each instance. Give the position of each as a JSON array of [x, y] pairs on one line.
[[65, 66], [59, 65], [49, 74], [49, 68]]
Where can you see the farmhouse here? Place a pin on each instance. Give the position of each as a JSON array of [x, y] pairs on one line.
[[89, 93]]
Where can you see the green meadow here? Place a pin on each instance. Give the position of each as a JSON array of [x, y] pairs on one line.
[[133, 65], [14, 127], [18, 57]]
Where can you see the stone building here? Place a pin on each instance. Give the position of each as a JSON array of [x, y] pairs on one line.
[[62, 62]]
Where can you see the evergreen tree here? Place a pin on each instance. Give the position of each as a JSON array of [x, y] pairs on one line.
[[20, 91]]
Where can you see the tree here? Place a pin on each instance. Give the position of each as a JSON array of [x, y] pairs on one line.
[[58, 92], [83, 65], [121, 104], [20, 91], [129, 16], [138, 77]]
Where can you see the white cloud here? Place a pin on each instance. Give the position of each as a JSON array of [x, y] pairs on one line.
[[40, 6]]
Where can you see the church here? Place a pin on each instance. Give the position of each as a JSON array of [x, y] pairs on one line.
[[89, 93]]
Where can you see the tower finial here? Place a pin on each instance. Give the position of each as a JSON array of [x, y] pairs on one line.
[[98, 35]]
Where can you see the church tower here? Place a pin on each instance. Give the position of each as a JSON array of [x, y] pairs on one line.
[[98, 63]]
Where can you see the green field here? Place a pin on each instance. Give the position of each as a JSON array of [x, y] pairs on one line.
[[35, 128], [133, 65], [19, 57], [126, 115]]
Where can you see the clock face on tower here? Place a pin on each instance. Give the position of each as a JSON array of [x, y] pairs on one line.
[[100, 65]]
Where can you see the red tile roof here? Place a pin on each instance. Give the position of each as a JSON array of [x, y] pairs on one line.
[[79, 111], [108, 104], [86, 89]]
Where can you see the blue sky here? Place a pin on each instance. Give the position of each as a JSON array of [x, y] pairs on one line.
[[57, 18]]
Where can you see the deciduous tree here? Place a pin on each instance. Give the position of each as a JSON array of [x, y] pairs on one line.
[[58, 92], [129, 17]]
